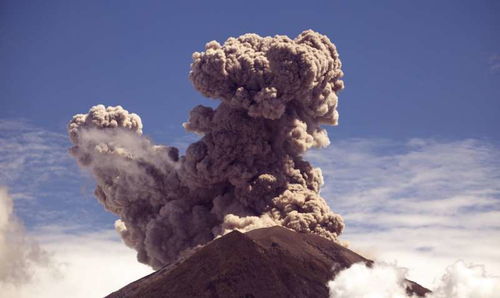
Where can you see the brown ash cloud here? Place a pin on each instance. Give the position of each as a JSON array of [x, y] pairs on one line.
[[246, 172]]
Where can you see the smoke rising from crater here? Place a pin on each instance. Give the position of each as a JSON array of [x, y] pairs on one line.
[[247, 170]]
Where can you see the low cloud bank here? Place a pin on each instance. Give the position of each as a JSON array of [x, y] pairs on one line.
[[58, 264], [383, 280], [423, 202], [18, 252]]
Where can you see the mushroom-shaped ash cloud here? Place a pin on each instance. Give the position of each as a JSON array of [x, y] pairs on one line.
[[246, 172]]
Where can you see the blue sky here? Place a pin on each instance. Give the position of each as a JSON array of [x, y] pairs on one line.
[[418, 117], [413, 68]]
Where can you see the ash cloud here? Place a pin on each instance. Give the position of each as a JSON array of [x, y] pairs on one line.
[[246, 172]]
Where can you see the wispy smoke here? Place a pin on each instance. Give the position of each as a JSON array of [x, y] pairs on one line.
[[383, 280], [18, 252], [246, 172]]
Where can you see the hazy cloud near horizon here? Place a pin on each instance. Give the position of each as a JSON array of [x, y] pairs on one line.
[[31, 156], [91, 264], [415, 201], [40, 175], [19, 253]]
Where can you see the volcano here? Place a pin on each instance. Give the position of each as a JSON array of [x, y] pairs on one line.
[[268, 262]]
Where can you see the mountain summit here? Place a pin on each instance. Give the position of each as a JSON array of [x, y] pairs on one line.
[[269, 262]]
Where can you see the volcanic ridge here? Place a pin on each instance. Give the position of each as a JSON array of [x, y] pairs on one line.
[[268, 262]]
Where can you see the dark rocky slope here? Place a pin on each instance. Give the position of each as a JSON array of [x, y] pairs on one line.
[[270, 262]]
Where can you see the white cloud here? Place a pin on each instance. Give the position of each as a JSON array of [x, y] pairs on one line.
[[30, 155], [384, 280], [81, 265], [359, 281], [41, 176], [87, 265], [424, 203], [18, 252], [34, 164]]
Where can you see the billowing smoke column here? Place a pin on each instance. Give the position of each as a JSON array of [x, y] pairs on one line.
[[247, 170]]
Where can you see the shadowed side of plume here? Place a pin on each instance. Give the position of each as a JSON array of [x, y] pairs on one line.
[[268, 262]]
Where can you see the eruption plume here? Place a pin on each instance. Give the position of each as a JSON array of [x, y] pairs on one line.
[[247, 170]]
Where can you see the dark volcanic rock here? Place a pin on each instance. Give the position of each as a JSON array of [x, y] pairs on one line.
[[270, 262]]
